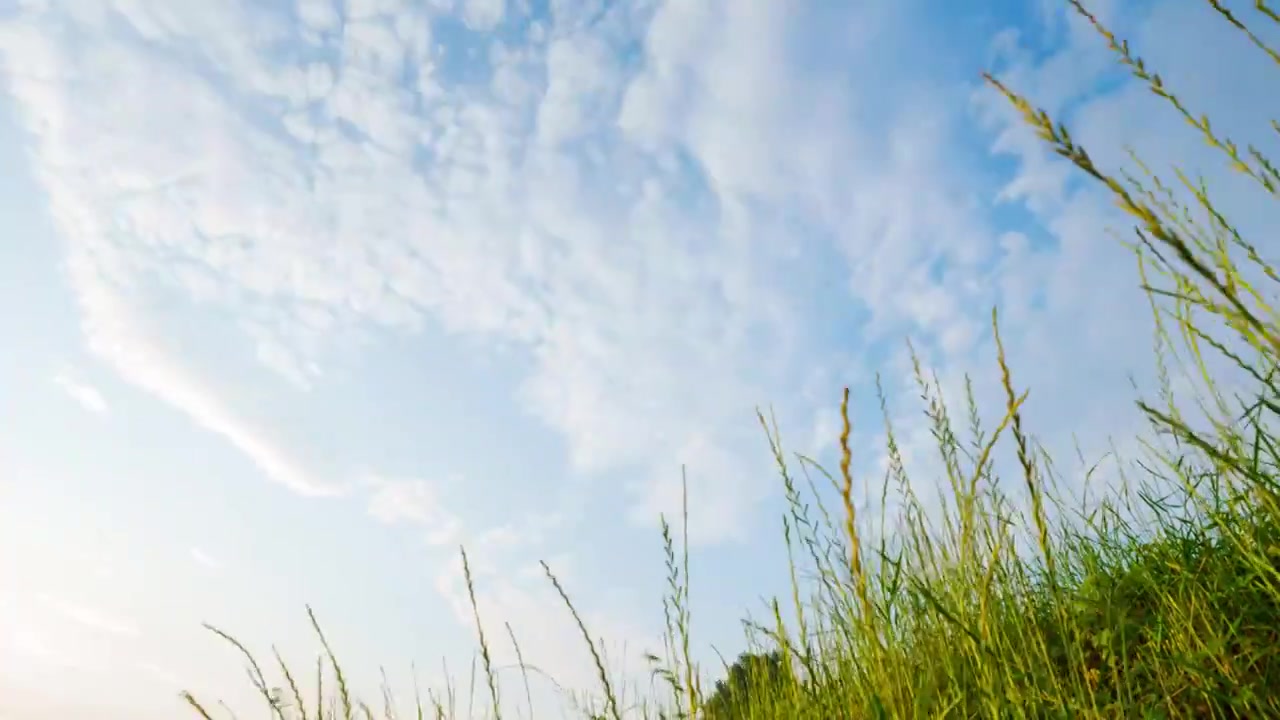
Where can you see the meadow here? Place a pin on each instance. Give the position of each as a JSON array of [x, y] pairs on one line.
[[1160, 598]]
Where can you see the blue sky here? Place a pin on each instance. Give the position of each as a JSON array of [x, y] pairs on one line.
[[303, 295]]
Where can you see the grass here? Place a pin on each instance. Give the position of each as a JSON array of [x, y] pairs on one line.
[[1160, 599]]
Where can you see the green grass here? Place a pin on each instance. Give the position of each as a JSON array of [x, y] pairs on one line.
[[1161, 598]]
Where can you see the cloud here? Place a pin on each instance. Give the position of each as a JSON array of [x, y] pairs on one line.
[[83, 393], [380, 199], [26, 645], [483, 14], [92, 617], [663, 233], [167, 677], [205, 560], [414, 502]]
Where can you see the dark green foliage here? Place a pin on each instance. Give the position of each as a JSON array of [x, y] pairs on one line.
[[750, 688]]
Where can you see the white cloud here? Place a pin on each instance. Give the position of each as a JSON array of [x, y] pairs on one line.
[[205, 560], [644, 313], [318, 15], [630, 227], [483, 14], [582, 74], [92, 617], [413, 502], [83, 393], [26, 646], [118, 335], [168, 677], [552, 209]]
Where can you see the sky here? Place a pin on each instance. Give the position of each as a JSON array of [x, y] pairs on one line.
[[303, 295]]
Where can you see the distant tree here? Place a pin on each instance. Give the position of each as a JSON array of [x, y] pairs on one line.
[[754, 683]]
